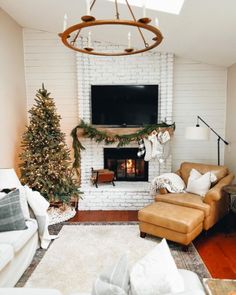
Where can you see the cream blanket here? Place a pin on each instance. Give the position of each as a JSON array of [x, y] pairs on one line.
[[39, 206], [170, 181]]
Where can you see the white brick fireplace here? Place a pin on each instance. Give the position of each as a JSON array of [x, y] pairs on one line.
[[149, 68]]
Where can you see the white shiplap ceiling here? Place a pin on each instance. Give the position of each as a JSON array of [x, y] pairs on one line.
[[204, 30]]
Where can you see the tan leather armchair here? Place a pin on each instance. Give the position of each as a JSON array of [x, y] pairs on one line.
[[214, 205], [182, 217]]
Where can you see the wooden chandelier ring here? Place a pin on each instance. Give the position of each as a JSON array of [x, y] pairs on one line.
[[154, 30]]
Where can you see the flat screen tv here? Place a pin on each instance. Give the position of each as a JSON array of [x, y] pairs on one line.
[[124, 105]]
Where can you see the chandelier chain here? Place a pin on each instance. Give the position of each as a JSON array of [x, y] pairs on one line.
[[91, 7], [117, 10], [134, 18], [76, 36]]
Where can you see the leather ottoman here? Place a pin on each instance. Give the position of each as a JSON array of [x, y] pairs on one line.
[[173, 222]]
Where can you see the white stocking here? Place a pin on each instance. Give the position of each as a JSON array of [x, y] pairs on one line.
[[153, 139], [148, 148]]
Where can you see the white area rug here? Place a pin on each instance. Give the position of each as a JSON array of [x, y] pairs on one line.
[[81, 253]]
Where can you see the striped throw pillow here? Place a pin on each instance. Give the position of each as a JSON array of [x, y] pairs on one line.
[[11, 215]]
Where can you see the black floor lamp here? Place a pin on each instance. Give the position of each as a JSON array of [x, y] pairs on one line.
[[202, 133]]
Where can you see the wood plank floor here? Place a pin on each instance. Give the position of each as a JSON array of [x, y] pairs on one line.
[[106, 216], [217, 248]]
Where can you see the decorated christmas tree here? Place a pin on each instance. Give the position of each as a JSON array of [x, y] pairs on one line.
[[46, 165]]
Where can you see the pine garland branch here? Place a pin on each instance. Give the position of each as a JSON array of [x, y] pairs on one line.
[[99, 136], [77, 147]]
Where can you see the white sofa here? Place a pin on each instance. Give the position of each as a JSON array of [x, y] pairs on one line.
[[192, 284], [17, 249]]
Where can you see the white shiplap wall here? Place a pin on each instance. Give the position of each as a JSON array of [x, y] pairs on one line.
[[48, 61], [199, 89]]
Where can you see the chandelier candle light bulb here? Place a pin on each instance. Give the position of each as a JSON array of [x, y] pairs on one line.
[[65, 22], [156, 22], [144, 8], [88, 7], [129, 40], [89, 39]]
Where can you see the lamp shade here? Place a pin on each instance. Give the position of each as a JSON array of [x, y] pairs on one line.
[[197, 133], [8, 178]]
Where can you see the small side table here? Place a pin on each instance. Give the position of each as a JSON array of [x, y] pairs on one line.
[[220, 287], [230, 190]]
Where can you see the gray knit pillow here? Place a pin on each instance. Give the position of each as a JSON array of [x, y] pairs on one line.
[[11, 215]]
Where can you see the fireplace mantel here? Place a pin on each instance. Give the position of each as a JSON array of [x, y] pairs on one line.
[[123, 131]]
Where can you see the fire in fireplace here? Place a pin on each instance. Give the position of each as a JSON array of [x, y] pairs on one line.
[[126, 164]]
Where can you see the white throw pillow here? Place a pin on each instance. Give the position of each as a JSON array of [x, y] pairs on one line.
[[171, 181], [115, 280], [156, 273], [23, 202], [102, 287], [200, 184], [36, 201]]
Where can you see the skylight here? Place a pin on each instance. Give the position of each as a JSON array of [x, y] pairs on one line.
[[169, 6]]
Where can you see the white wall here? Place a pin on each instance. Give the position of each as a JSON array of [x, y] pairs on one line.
[[12, 91], [199, 89], [230, 151], [48, 61]]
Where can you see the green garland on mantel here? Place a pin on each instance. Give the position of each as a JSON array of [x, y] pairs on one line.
[[99, 136]]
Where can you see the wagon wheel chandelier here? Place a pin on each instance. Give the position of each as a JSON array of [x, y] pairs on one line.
[[70, 35]]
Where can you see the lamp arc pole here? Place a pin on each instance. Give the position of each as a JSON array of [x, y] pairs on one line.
[[219, 138]]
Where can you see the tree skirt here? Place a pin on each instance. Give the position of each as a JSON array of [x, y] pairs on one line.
[[73, 261], [57, 215]]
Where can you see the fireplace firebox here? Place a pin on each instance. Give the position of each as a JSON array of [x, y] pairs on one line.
[[126, 164]]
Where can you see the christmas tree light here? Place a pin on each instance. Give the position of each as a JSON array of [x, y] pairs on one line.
[[45, 157]]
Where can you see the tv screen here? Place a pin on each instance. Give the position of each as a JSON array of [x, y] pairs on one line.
[[124, 105]]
